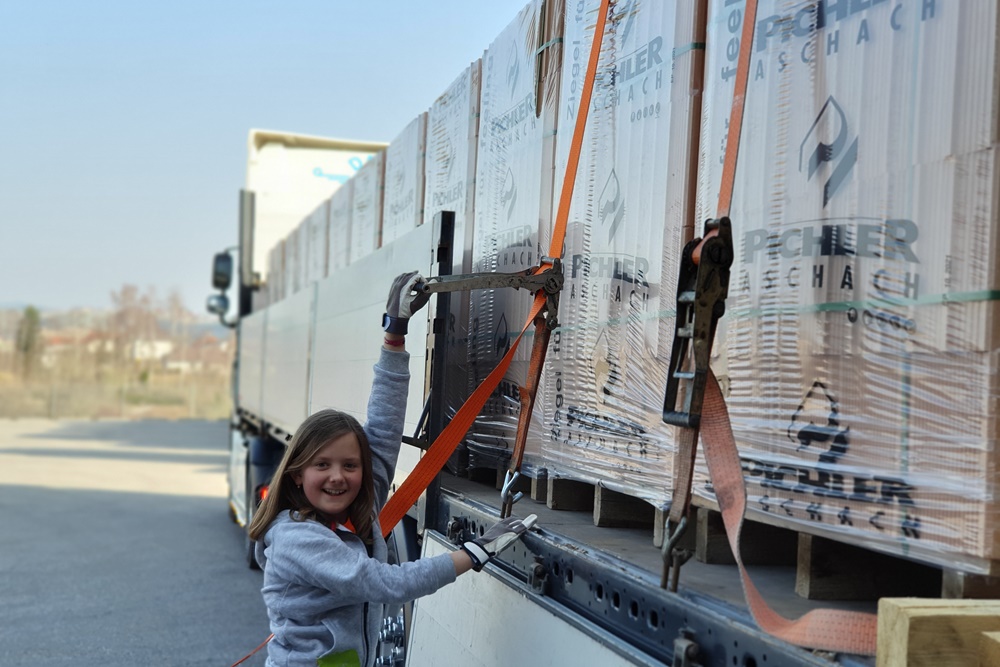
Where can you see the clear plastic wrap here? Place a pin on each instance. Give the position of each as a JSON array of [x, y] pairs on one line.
[[513, 209], [294, 261], [276, 272], [450, 185], [366, 207], [317, 227], [341, 208], [606, 368], [403, 204], [859, 348]]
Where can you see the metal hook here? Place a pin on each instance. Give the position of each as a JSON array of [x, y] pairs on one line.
[[673, 557], [506, 492]]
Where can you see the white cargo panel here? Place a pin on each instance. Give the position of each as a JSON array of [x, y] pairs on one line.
[[514, 627], [251, 360], [348, 340], [286, 360]]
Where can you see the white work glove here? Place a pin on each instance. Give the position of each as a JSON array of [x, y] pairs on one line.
[[403, 302], [500, 536]]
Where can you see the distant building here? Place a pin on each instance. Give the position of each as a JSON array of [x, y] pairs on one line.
[[152, 350], [206, 353], [98, 342]]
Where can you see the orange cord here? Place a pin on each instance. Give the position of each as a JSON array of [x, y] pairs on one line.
[[247, 656]]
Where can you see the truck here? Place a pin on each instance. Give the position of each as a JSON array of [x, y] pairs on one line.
[[288, 176], [856, 352]]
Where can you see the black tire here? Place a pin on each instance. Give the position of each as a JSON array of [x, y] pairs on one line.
[[251, 558]]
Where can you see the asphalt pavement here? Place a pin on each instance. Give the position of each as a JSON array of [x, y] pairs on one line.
[[116, 548]]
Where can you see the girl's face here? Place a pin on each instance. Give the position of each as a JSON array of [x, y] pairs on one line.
[[332, 479]]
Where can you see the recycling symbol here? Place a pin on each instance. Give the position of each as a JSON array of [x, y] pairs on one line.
[[816, 424]]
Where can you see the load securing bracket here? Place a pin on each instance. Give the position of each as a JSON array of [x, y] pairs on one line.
[[546, 279], [702, 288]]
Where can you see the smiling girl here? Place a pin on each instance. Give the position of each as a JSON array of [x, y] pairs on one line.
[[318, 538]]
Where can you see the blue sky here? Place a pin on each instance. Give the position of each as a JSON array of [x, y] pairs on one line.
[[123, 124]]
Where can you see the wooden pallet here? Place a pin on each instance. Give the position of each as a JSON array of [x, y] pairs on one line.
[[825, 569], [938, 633], [610, 508], [829, 569]]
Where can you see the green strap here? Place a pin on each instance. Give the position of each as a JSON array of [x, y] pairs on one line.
[[342, 659], [830, 307], [844, 306], [551, 42], [687, 48]]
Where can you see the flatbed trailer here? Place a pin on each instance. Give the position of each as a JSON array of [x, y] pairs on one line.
[[860, 361], [570, 593]]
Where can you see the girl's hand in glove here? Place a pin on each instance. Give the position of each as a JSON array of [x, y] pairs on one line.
[[500, 536], [403, 302]]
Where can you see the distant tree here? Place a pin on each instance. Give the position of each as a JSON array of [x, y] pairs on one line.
[[28, 344], [133, 320]]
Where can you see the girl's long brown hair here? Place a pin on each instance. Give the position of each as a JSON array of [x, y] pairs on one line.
[[316, 432]]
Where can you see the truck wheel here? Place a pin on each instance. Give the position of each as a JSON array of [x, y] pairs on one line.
[[393, 638], [251, 559]]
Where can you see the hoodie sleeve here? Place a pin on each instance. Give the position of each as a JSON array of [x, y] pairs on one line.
[[386, 413], [310, 554]]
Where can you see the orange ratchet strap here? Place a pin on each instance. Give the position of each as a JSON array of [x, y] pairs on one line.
[[439, 452], [824, 629]]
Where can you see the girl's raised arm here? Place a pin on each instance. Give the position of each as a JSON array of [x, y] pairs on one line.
[[387, 403]]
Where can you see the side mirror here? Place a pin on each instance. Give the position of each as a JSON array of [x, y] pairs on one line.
[[217, 304], [222, 271]]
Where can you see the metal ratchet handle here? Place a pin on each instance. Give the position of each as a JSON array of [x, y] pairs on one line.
[[530, 278]]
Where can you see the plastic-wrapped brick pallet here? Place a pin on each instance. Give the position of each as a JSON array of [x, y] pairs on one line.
[[293, 273], [606, 367], [341, 207], [403, 202], [513, 211], [302, 270], [452, 136], [317, 228], [860, 342], [276, 272], [366, 209]]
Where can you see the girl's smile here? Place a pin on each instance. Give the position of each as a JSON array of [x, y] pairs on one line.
[[332, 478]]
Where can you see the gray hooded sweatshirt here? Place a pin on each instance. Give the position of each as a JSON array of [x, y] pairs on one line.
[[324, 593]]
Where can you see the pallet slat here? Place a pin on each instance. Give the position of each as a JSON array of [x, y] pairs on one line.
[[917, 632], [989, 649]]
